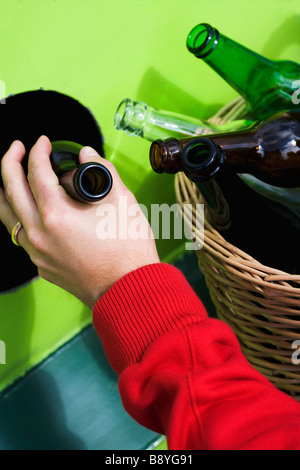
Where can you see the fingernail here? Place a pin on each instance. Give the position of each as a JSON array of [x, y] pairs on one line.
[[88, 151], [15, 142]]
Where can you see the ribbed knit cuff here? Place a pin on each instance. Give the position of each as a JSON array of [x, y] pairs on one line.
[[142, 306]]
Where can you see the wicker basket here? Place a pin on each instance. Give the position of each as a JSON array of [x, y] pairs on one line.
[[261, 304]]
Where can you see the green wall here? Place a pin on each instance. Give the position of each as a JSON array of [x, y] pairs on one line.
[[100, 52]]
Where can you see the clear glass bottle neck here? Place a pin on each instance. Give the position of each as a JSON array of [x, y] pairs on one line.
[[138, 119]]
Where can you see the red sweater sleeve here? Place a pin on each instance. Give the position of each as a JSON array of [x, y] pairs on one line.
[[183, 374]]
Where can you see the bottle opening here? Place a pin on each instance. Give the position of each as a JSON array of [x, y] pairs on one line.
[[155, 156], [130, 117], [202, 159], [202, 40], [94, 181], [198, 154], [120, 116]]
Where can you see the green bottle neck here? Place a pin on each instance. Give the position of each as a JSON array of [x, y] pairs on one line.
[[64, 156], [250, 74]]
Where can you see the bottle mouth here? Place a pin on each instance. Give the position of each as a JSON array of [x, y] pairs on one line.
[[156, 156], [93, 181], [202, 159], [130, 116], [120, 116], [202, 40]]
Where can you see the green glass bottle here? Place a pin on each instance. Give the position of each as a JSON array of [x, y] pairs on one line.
[[267, 86], [86, 182], [136, 118]]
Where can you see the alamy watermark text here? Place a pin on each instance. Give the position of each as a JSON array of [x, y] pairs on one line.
[[127, 220], [296, 94]]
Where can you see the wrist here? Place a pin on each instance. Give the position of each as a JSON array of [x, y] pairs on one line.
[[113, 274]]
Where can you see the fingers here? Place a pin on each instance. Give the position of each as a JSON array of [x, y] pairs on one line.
[[31, 197], [43, 181], [17, 190], [24, 198], [9, 219], [88, 154]]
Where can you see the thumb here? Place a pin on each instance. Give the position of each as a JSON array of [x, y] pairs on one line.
[[88, 154]]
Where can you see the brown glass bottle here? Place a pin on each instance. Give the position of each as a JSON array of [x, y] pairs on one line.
[[269, 150], [243, 217]]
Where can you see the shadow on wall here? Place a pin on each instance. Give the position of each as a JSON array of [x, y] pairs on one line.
[[285, 35], [159, 92]]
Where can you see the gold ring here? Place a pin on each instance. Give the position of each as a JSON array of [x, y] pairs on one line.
[[14, 234]]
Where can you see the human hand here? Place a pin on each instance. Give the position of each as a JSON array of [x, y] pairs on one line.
[[62, 236]]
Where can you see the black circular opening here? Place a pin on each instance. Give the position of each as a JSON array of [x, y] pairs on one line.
[[95, 181], [26, 116], [198, 153]]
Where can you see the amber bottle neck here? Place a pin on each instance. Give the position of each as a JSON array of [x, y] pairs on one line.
[[166, 155]]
